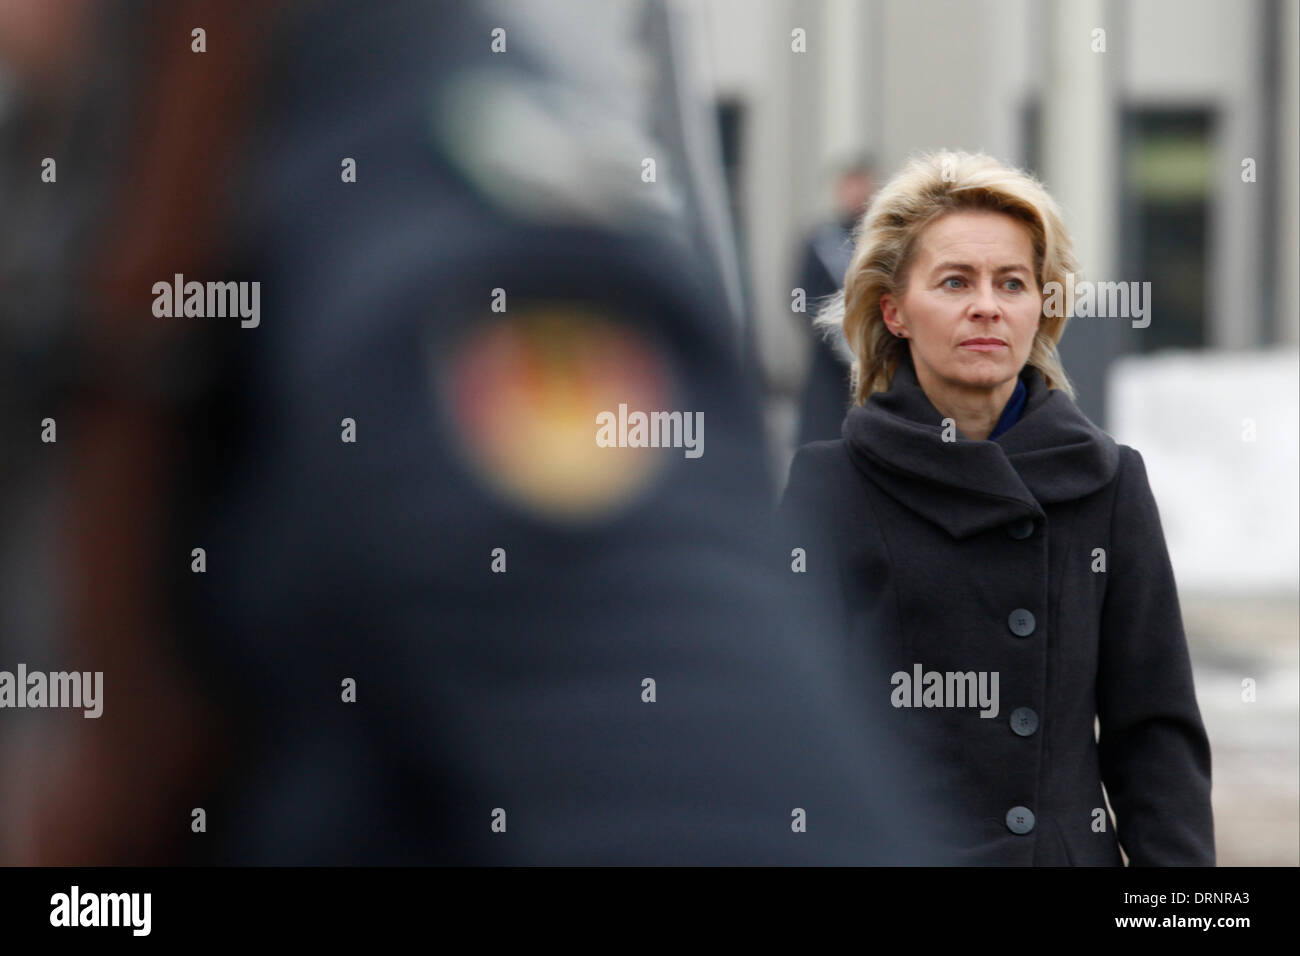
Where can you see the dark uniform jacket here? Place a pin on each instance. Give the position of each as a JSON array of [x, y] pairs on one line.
[[502, 714], [1038, 556], [826, 388]]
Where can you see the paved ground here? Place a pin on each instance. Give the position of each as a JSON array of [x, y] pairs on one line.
[[1255, 746]]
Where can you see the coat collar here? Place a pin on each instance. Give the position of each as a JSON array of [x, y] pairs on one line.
[[1053, 454]]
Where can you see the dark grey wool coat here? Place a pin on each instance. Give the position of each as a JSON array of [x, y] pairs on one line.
[[1038, 556]]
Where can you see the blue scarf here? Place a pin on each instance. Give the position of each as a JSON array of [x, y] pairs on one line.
[[1011, 414]]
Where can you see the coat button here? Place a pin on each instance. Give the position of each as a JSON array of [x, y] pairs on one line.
[[1021, 622], [1020, 819], [1024, 721], [1021, 528]]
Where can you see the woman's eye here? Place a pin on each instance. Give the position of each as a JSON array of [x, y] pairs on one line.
[[1015, 285], [957, 279]]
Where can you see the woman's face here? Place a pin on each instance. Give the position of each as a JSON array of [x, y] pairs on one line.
[[972, 304]]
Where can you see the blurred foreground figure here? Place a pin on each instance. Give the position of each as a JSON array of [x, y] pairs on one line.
[[449, 608]]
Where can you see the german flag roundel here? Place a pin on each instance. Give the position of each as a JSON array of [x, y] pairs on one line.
[[526, 392]]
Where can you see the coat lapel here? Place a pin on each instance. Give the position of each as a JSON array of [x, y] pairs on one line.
[[1053, 454]]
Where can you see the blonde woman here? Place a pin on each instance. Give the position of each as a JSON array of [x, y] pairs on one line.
[[1000, 553]]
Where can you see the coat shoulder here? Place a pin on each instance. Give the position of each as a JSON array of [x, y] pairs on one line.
[[1134, 499], [828, 491], [1131, 474], [1130, 460], [817, 465], [823, 453]]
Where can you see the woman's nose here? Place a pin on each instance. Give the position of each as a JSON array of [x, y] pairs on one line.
[[985, 304]]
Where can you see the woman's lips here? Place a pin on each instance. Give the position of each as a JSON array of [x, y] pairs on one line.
[[983, 345]]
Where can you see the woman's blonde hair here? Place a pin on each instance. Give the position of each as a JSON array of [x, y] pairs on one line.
[[928, 187]]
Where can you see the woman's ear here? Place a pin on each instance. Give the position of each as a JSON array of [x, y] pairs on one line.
[[889, 313]]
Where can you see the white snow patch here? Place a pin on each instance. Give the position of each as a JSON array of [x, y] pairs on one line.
[[1230, 506]]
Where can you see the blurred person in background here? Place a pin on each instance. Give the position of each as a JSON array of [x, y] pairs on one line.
[[432, 620], [825, 259], [984, 535]]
